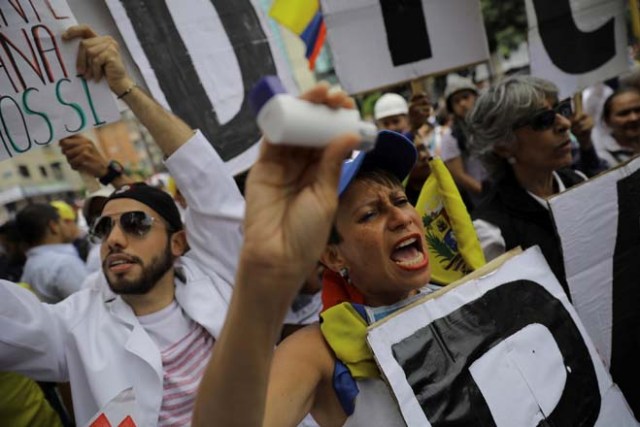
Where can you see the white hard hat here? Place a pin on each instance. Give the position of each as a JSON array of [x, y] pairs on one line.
[[455, 84], [390, 104]]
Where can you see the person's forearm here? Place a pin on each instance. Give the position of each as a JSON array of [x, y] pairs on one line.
[[169, 131], [234, 387], [468, 183], [461, 177]]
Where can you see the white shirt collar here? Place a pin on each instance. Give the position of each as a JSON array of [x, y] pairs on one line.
[[543, 201]]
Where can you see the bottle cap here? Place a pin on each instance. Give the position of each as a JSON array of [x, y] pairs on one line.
[[266, 88]]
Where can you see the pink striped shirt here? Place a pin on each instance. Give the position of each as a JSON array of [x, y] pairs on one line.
[[184, 363]]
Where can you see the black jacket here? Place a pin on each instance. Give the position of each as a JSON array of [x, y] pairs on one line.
[[523, 221]]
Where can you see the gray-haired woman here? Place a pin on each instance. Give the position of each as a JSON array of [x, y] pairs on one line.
[[521, 131]]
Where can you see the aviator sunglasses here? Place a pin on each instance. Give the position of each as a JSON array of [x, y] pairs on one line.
[[545, 119], [134, 223]]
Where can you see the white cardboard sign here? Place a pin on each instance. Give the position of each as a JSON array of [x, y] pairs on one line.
[[598, 223], [505, 349], [380, 43], [577, 43], [42, 100]]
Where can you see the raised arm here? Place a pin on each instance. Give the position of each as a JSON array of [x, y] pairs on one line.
[[215, 206], [461, 177], [291, 201], [99, 57]]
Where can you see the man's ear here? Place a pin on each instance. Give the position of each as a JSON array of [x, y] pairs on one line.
[[54, 227], [332, 258], [179, 243]]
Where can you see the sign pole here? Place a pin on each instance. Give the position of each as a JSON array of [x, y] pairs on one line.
[[635, 18], [577, 103], [417, 86]]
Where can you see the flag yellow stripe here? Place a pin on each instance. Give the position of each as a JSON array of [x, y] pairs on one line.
[[294, 14]]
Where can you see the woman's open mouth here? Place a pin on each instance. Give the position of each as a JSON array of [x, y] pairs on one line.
[[408, 253]]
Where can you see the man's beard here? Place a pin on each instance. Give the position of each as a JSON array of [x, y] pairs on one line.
[[147, 280]]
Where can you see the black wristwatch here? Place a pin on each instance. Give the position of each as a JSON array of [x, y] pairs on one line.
[[114, 170]]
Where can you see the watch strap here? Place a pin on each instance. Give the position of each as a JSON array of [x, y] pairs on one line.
[[114, 170]]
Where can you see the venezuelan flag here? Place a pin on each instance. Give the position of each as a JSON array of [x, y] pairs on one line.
[[304, 18], [454, 249]]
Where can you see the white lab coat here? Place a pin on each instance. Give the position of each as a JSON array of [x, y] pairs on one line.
[[94, 340]]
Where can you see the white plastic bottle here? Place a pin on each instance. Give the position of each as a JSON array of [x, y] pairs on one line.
[[285, 119]]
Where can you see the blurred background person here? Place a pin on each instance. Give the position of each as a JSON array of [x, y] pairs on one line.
[[391, 112], [423, 123], [53, 268], [467, 170], [69, 220], [424, 136], [12, 257], [621, 115]]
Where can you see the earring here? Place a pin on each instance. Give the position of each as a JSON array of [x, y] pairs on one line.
[[344, 273], [512, 161]]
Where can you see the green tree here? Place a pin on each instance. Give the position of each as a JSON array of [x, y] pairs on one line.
[[506, 24]]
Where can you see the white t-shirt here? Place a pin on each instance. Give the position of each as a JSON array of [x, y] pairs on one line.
[[450, 150]]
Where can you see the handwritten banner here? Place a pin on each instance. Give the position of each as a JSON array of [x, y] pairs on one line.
[[41, 97]]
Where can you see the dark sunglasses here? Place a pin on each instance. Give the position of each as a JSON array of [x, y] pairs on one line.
[[545, 119], [134, 223]]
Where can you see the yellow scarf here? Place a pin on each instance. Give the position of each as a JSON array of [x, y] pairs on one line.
[[345, 331]]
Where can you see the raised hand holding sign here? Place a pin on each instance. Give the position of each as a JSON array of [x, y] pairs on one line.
[[43, 99]]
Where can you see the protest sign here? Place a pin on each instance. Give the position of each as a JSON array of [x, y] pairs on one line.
[[503, 347], [577, 43], [598, 223], [377, 43], [200, 58], [42, 99]]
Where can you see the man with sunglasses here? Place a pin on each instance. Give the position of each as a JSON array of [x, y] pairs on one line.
[[134, 343]]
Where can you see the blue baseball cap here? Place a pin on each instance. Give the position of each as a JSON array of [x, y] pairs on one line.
[[393, 152]]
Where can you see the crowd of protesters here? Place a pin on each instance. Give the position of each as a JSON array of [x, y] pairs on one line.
[[130, 311]]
